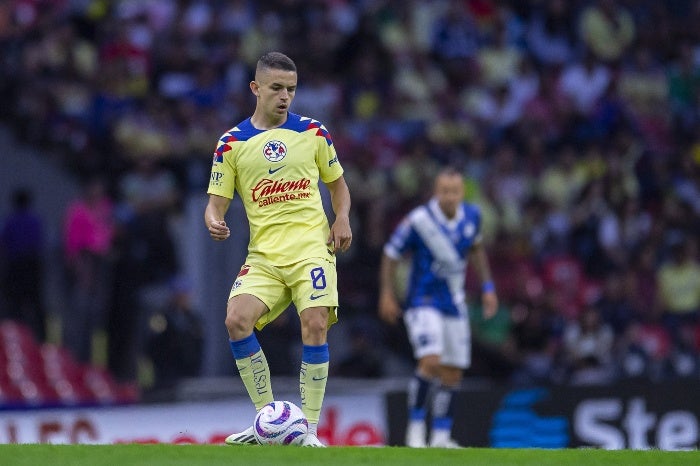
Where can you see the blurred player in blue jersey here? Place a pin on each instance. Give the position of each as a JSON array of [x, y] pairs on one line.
[[274, 160], [440, 237]]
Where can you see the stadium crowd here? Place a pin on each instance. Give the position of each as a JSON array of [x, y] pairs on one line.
[[576, 123]]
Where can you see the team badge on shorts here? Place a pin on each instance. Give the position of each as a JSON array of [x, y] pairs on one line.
[[239, 277], [274, 151]]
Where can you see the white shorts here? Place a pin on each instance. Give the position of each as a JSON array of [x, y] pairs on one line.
[[431, 332]]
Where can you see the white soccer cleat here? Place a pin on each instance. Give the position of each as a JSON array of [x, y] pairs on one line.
[[415, 434], [446, 443], [440, 438], [247, 437], [449, 443], [312, 441]]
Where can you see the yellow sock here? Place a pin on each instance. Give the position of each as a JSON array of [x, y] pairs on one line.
[[255, 374], [312, 381]]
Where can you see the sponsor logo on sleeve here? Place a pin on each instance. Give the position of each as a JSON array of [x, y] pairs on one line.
[[216, 178]]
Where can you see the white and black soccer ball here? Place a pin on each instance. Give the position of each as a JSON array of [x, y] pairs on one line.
[[280, 423]]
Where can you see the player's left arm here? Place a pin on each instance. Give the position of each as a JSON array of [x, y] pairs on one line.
[[479, 259], [341, 234]]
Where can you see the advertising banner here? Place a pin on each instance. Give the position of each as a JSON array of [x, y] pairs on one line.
[[346, 420], [633, 415]]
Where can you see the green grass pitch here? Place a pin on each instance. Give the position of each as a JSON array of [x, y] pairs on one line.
[[213, 455]]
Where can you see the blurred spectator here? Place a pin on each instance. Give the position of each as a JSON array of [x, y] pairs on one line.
[[509, 185], [547, 110], [588, 348], [176, 337], [22, 263], [88, 242], [589, 210], [642, 83], [607, 29], [622, 230], [499, 60], [643, 351], [552, 33], [523, 86], [561, 183], [143, 134], [640, 280], [686, 185], [684, 87], [414, 171], [125, 326], [678, 280], [363, 357], [125, 51], [321, 96], [536, 344], [150, 195], [493, 348], [371, 195], [584, 83], [455, 40], [684, 360], [616, 308], [417, 84]]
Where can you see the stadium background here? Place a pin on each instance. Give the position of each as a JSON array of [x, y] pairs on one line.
[[578, 134]]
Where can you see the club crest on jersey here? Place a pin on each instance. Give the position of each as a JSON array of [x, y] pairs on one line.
[[274, 151]]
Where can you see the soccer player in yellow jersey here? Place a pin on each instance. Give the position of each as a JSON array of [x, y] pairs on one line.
[[274, 160]]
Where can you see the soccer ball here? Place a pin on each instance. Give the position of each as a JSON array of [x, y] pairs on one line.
[[280, 423]]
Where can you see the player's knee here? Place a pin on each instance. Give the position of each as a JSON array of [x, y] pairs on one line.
[[238, 325], [451, 377], [314, 326], [429, 366]]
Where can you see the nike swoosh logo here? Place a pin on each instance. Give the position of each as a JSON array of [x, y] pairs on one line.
[[319, 378], [312, 297], [274, 170]]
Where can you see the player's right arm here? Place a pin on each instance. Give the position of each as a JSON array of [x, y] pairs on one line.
[[214, 217], [401, 241], [389, 309]]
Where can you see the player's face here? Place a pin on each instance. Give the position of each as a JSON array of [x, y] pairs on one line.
[[449, 191], [275, 91]]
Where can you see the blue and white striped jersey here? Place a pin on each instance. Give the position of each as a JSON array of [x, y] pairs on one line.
[[439, 248]]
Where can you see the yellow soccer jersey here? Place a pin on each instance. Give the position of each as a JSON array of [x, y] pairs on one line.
[[276, 173]]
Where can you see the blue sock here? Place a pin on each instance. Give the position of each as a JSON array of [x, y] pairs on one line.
[[245, 347], [315, 354]]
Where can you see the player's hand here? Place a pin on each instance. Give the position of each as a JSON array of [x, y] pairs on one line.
[[218, 230], [340, 236], [489, 302], [389, 309]]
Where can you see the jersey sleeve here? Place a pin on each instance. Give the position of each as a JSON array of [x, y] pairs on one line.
[[476, 213], [222, 180], [401, 240], [326, 157]]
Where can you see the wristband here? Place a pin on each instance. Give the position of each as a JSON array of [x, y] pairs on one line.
[[488, 287]]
